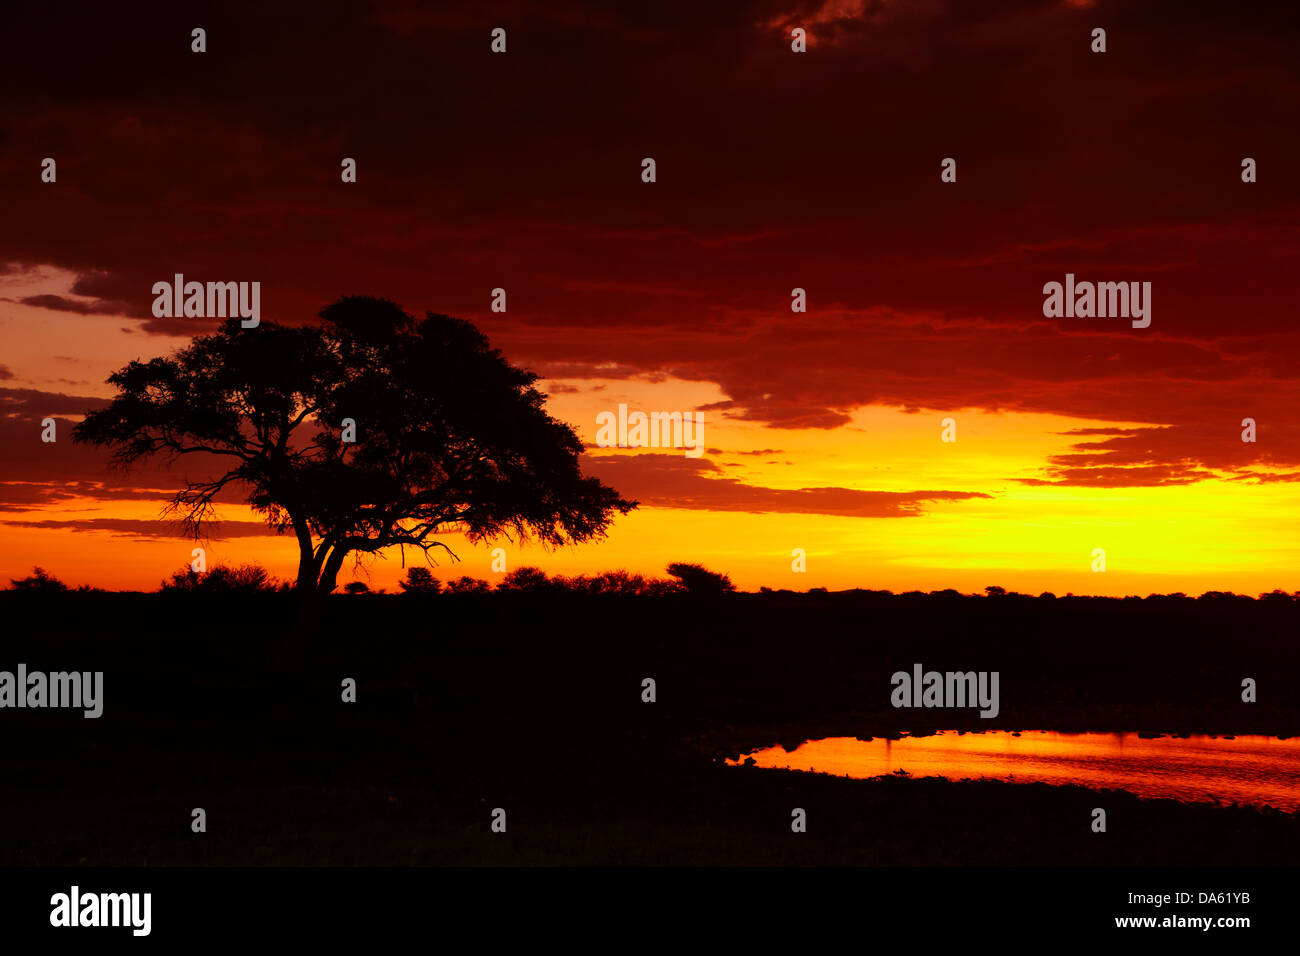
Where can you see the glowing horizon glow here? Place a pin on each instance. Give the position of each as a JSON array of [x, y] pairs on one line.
[[1030, 538]]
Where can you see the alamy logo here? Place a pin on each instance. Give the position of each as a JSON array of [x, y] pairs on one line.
[[179, 298], [75, 689], [948, 689], [1085, 300], [103, 909], [656, 430]]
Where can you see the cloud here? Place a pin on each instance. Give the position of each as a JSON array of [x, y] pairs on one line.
[[772, 175], [1211, 447], [80, 469], [140, 528], [36, 404], [61, 303], [32, 495], [672, 481]]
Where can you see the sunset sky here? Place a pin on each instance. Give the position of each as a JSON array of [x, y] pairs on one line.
[[775, 170]]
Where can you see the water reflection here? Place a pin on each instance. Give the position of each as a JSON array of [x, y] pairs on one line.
[[1262, 771]]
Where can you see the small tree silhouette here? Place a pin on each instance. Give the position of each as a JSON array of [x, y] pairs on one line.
[[357, 587], [420, 581], [39, 580], [527, 579], [697, 579]]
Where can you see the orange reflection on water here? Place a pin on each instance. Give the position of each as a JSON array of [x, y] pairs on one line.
[[1256, 770]]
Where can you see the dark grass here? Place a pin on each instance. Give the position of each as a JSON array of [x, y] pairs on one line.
[[532, 703]]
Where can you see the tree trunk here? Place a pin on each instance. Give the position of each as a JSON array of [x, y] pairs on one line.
[[294, 645], [329, 576], [308, 569], [314, 585]]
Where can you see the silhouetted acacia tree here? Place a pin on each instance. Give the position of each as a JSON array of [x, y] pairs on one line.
[[449, 436]]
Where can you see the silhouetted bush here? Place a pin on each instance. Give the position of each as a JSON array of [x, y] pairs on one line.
[[420, 581], [528, 579], [223, 579], [39, 580], [468, 585], [619, 582], [698, 579]]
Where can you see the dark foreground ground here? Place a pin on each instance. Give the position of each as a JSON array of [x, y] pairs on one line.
[[532, 703]]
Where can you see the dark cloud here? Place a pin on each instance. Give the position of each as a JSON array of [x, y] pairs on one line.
[[775, 170], [672, 481], [63, 304], [1176, 454], [29, 495], [79, 469], [138, 528], [35, 404]]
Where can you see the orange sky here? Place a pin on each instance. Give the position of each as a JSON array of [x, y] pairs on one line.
[[1206, 535], [775, 170]]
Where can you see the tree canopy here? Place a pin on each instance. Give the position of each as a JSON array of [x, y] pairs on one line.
[[371, 430]]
